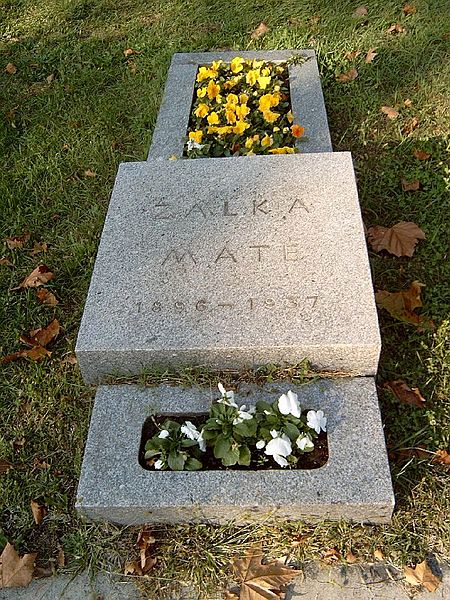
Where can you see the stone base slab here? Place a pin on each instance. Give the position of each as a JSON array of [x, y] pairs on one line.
[[354, 484]]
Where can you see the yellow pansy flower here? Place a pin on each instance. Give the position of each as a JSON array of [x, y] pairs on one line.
[[243, 98], [213, 90], [267, 140], [232, 99], [201, 111], [267, 101], [249, 142], [230, 115], [216, 64], [250, 153], [252, 76], [265, 72], [201, 92], [230, 83], [196, 135], [242, 111], [213, 118], [275, 129], [257, 64], [270, 116], [240, 127], [256, 137], [263, 82], [283, 150], [290, 117], [205, 73], [236, 64], [224, 130]]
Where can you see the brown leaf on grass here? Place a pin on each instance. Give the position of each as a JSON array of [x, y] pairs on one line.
[[442, 457], [41, 572], [351, 558], [5, 466], [396, 28], [61, 558], [261, 30], [390, 112], [36, 354], [421, 154], [129, 52], [410, 186], [144, 541], [47, 298], [38, 248], [260, 581], [404, 393], [348, 76], [409, 9], [135, 567], [410, 125], [352, 55], [400, 240], [422, 575], [90, 173], [402, 455], [407, 102], [11, 69], [39, 512], [15, 571], [6, 262], [132, 66], [331, 556], [361, 11], [44, 335], [378, 554], [401, 305], [17, 241], [370, 55], [39, 276], [70, 359]]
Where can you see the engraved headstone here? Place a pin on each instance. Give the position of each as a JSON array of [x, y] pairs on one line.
[[231, 263]]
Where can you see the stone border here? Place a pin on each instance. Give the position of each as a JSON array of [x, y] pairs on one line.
[[308, 105], [355, 483]]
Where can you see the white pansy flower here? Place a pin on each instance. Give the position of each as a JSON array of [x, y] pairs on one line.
[[279, 448], [190, 430], [243, 415], [191, 144], [260, 445], [227, 397], [288, 404], [201, 442], [163, 434], [159, 464], [316, 420], [304, 443]]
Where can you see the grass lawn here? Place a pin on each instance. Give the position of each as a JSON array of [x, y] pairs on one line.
[[76, 107]]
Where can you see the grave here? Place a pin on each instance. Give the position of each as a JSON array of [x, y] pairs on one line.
[[233, 263]]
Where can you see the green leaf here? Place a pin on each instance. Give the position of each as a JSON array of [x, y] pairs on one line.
[[244, 455], [192, 464], [246, 428], [261, 406], [222, 446], [176, 461], [151, 454], [231, 458], [209, 434], [188, 443], [291, 431]]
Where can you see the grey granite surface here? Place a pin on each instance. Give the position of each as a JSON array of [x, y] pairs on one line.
[[307, 101], [354, 484], [232, 263]]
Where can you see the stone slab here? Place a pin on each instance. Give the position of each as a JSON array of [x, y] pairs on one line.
[[307, 101], [354, 484], [231, 263]]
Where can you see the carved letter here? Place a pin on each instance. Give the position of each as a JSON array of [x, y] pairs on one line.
[[290, 252], [179, 256], [298, 204], [163, 214], [259, 205], [226, 210], [225, 253], [196, 208], [259, 250]]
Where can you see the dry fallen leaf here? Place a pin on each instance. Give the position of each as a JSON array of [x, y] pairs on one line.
[[400, 240], [407, 102], [70, 359], [260, 581], [6, 262], [90, 173], [17, 241], [352, 55], [350, 557], [47, 298], [5, 466], [261, 30], [396, 28], [348, 76], [378, 554], [129, 52], [404, 393], [409, 9], [15, 571], [442, 457], [421, 154], [370, 55], [135, 567], [11, 69], [410, 186], [422, 575], [402, 455], [144, 541], [39, 512], [36, 353], [39, 276], [331, 556], [390, 112], [38, 248], [44, 335], [61, 558], [401, 305], [410, 125], [361, 11]]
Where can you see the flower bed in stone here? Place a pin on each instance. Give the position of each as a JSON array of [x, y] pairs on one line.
[[242, 108], [262, 436]]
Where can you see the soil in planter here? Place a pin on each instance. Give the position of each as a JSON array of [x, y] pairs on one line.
[[309, 460]]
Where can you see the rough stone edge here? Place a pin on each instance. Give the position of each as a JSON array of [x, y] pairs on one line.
[[355, 484], [308, 106]]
